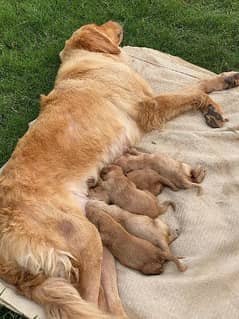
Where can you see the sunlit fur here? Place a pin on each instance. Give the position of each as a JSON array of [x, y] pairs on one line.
[[98, 108]]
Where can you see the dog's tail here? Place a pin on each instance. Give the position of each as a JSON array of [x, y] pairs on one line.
[[58, 297], [62, 301]]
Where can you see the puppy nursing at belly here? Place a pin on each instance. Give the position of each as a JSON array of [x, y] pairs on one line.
[[124, 193], [135, 206], [172, 173], [134, 232]]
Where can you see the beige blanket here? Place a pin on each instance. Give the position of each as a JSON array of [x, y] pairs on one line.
[[208, 224]]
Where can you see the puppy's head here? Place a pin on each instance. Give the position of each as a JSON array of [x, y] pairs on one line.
[[110, 170], [104, 38]]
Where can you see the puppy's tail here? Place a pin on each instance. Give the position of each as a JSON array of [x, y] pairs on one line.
[[62, 301], [164, 206], [170, 257], [199, 188]]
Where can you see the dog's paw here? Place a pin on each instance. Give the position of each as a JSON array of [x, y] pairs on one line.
[[231, 79], [213, 118]]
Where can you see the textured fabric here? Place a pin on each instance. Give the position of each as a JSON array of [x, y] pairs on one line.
[[208, 224]]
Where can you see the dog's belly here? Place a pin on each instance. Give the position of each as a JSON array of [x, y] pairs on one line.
[[77, 189]]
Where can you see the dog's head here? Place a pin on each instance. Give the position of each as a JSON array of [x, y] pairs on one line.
[[104, 38]]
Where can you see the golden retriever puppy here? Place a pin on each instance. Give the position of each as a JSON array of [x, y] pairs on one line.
[[99, 192], [98, 108], [152, 230], [123, 193], [144, 179], [150, 180], [177, 174], [131, 251]]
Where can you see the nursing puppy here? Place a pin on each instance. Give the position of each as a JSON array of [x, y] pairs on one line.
[[152, 230], [99, 192], [144, 179], [176, 174], [131, 251], [98, 108], [149, 180], [123, 193]]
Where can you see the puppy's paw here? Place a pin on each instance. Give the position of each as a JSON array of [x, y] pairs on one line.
[[198, 174], [182, 267], [173, 236]]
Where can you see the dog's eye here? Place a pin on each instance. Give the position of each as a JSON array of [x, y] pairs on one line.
[[119, 34]]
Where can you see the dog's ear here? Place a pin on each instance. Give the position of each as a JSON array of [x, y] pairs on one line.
[[93, 40]]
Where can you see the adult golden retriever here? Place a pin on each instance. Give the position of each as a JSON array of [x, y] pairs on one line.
[[98, 108]]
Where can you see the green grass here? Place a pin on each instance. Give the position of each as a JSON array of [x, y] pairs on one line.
[[7, 314], [32, 32]]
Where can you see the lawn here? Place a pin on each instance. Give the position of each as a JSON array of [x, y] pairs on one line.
[[7, 314], [32, 32]]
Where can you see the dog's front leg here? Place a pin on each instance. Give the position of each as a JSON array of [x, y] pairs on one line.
[[153, 113]]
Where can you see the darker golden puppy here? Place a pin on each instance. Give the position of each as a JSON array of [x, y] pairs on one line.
[[148, 179], [152, 230], [124, 194], [175, 174]]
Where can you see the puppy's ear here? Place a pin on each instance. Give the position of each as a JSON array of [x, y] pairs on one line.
[[93, 40], [105, 170]]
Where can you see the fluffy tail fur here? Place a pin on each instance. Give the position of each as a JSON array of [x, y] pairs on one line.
[[62, 301]]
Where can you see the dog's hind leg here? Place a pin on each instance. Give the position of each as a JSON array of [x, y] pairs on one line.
[[110, 286], [57, 295], [84, 243]]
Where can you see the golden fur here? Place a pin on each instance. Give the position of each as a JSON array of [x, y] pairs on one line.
[[144, 227], [147, 179], [123, 193], [98, 108], [175, 174]]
